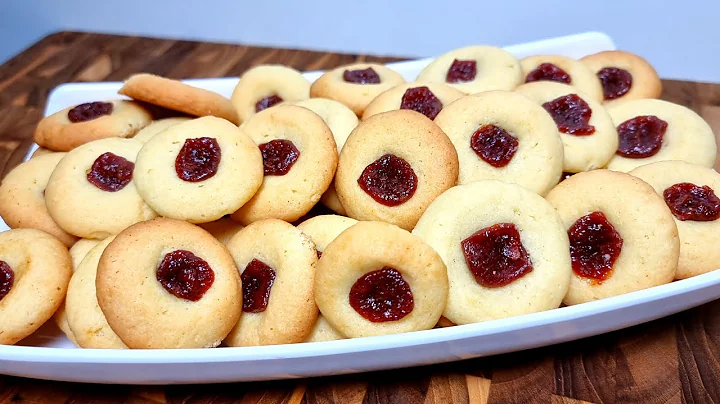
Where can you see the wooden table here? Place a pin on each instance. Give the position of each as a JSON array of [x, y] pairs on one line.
[[672, 360]]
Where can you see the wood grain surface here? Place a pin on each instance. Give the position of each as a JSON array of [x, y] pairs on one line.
[[672, 360]]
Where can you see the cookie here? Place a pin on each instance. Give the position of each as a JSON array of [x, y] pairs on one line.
[[588, 134], [562, 69], [475, 69], [91, 192], [266, 85], [691, 192], [299, 157], [505, 260], [166, 283], [382, 178], [80, 124], [355, 85], [222, 229], [656, 130], [505, 136], [35, 269], [277, 266], [22, 197], [624, 75], [377, 279], [622, 235], [425, 98], [40, 151], [198, 171], [158, 126], [178, 96], [323, 331]]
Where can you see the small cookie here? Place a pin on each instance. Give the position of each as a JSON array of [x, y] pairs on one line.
[[222, 229], [656, 130], [80, 124], [40, 151], [277, 266], [504, 261], [624, 75], [178, 96], [35, 269], [158, 126], [584, 126], [323, 331], [166, 283], [425, 98], [691, 192], [382, 178], [475, 69], [22, 197], [198, 171], [266, 85], [92, 194], [299, 156], [622, 236], [355, 85], [377, 279], [506, 136], [562, 69]]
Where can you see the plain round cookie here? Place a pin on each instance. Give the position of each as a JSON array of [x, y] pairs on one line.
[[698, 239], [650, 245], [178, 96], [323, 331], [142, 311], [537, 162], [290, 311], [81, 208], [158, 126], [370, 248], [266, 85], [373, 148], [22, 197], [57, 132], [205, 192], [645, 81], [41, 269], [581, 77], [291, 195], [454, 217], [392, 99], [222, 229], [687, 137], [580, 153], [355, 96]]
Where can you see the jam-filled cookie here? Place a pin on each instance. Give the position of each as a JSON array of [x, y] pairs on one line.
[[377, 279], [35, 269], [691, 192], [564, 70], [624, 75], [656, 130], [158, 126], [22, 197], [92, 193], [222, 229], [622, 235], [199, 171], [392, 166], [585, 128], [166, 283], [178, 96], [425, 98], [474, 69], [508, 259], [299, 159], [277, 266], [355, 85], [505, 136], [266, 85], [80, 124]]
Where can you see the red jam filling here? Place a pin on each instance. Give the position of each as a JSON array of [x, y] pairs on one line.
[[267, 102], [198, 159], [389, 180], [615, 82], [422, 100], [89, 111], [594, 246], [7, 278], [641, 136], [257, 280], [496, 256], [382, 295], [494, 145], [185, 275], [110, 172], [548, 72], [691, 202], [571, 114], [461, 71], [319, 253], [278, 155], [361, 76]]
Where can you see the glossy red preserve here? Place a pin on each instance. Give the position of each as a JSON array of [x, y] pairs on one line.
[[382, 295], [389, 180], [267, 102], [89, 111], [7, 278], [185, 275], [496, 256], [594, 246], [641, 136], [616, 82], [279, 156], [361, 76], [548, 72], [257, 281], [198, 159], [571, 115], [422, 100], [494, 145], [461, 71], [691, 202], [110, 172]]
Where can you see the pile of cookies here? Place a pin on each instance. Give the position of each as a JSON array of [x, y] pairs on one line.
[[490, 187]]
